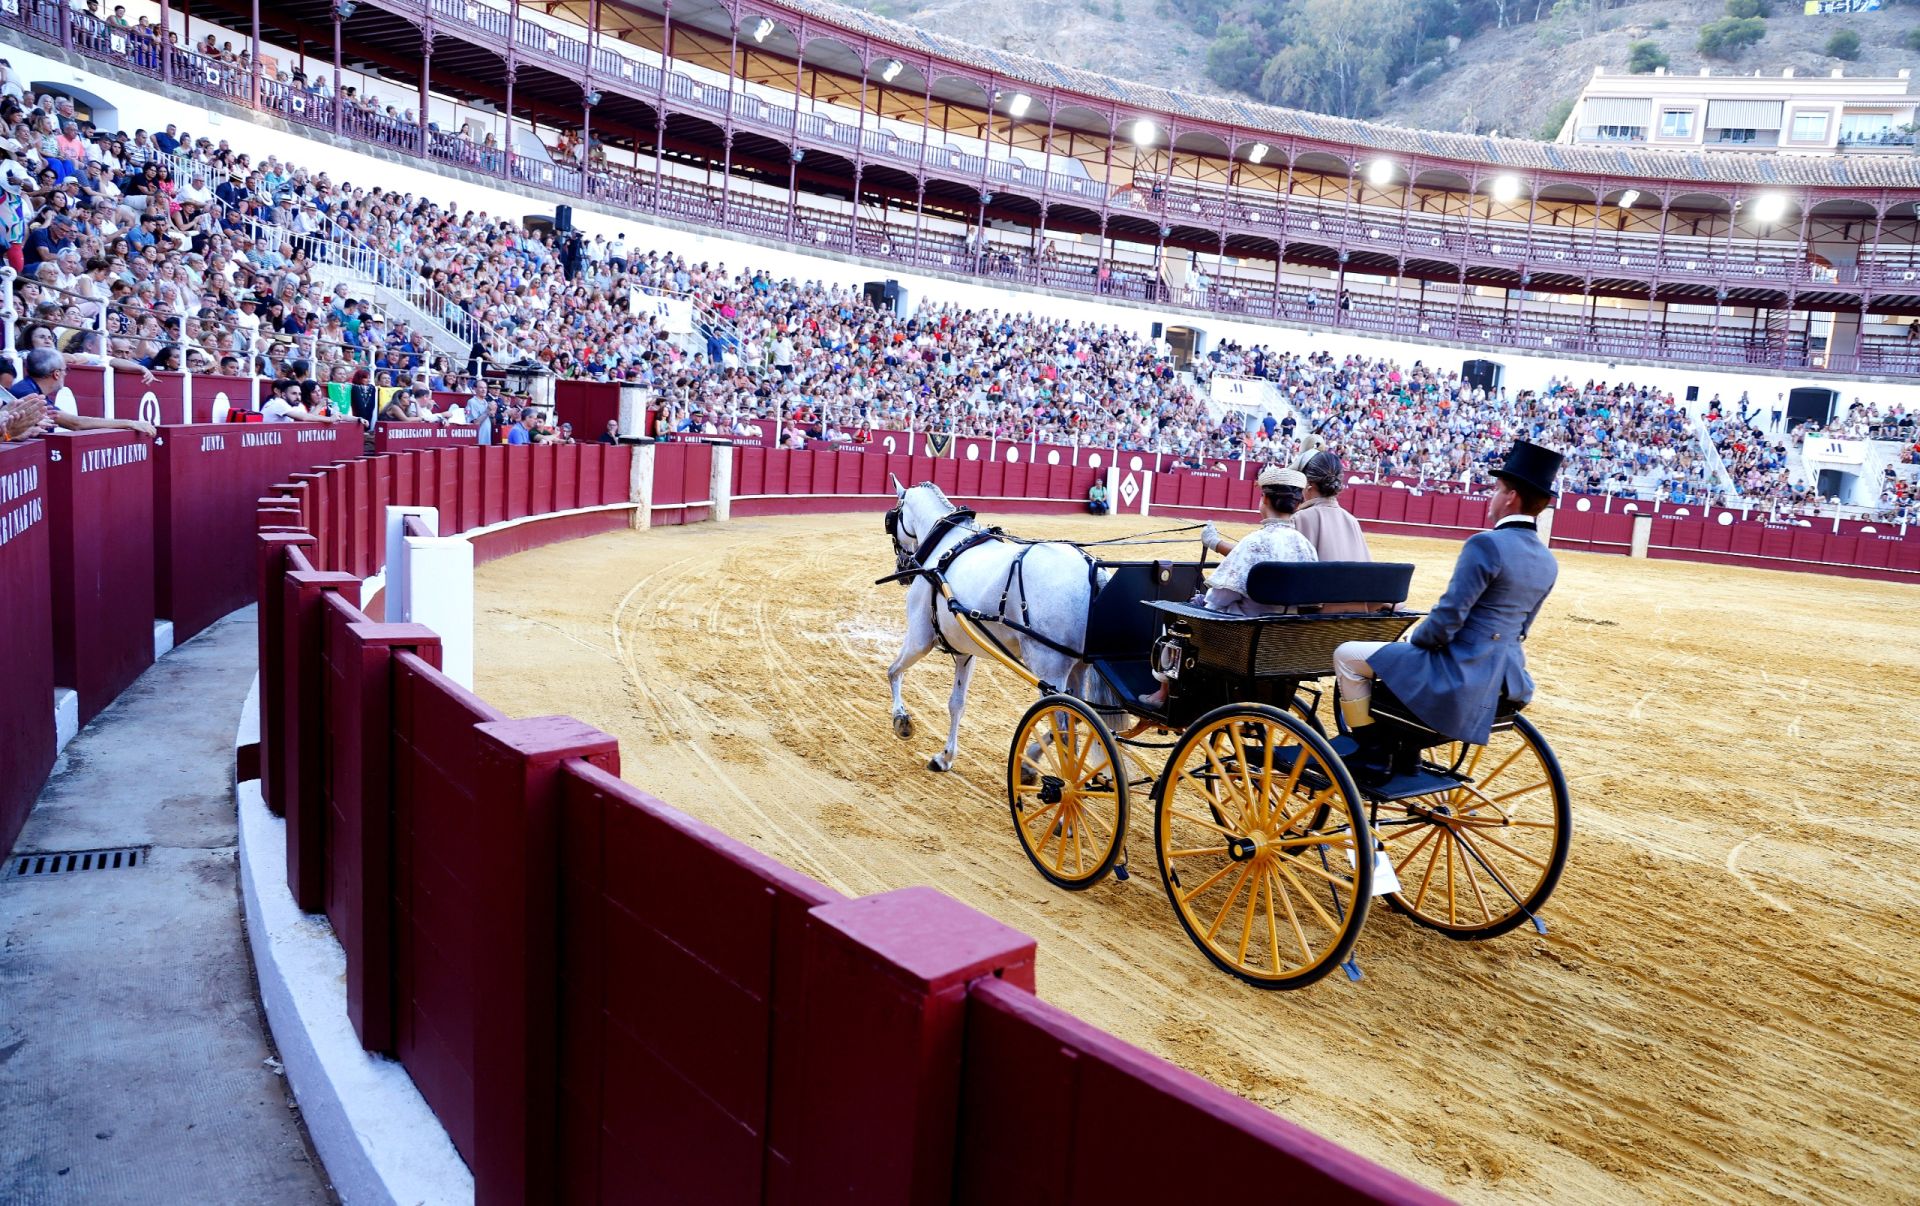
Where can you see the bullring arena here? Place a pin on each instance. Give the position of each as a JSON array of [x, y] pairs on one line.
[[1720, 1011], [467, 468]]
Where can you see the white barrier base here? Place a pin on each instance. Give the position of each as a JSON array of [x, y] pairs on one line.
[[66, 716], [376, 1135], [162, 638]]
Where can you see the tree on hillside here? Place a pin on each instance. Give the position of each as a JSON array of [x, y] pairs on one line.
[[1844, 45], [1340, 55], [1235, 59], [1749, 8], [1644, 57], [1728, 37]]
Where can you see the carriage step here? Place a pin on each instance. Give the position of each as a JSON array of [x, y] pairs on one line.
[[1404, 787]]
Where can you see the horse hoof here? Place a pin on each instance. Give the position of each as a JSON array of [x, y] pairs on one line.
[[933, 764], [903, 726]]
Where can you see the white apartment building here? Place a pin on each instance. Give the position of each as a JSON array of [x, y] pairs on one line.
[[1787, 113]]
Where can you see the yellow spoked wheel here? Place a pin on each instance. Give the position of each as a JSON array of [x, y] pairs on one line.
[[1257, 824], [1478, 860], [1067, 789]]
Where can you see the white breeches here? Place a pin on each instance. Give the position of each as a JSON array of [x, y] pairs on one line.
[[1350, 668]]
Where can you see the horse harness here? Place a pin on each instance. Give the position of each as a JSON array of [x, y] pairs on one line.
[[914, 565]]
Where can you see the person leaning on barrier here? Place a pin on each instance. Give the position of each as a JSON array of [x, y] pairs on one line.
[[1453, 670], [284, 406], [45, 375]]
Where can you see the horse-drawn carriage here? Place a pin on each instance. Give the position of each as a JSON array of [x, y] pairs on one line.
[[1272, 832]]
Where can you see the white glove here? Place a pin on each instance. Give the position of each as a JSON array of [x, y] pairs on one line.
[[1209, 536]]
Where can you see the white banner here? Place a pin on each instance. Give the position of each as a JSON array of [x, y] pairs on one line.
[[675, 313], [1838, 452]]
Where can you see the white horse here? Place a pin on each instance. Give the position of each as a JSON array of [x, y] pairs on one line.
[[1050, 594]]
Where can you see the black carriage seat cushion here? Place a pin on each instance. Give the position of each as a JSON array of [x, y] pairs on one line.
[[1311, 583]]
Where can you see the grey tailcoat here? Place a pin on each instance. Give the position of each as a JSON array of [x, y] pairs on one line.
[[1451, 671]]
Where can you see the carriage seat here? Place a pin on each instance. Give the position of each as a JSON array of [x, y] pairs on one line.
[[1307, 586], [1388, 707]]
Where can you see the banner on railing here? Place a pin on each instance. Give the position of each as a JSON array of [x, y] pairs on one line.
[[675, 314]]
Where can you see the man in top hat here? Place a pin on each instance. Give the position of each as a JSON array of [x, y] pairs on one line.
[[1453, 670]]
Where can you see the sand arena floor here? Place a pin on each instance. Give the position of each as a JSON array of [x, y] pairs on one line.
[[1727, 1006]]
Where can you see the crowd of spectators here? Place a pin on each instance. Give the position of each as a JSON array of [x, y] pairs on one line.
[[162, 250]]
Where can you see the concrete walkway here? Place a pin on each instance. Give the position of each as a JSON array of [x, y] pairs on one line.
[[135, 1064]]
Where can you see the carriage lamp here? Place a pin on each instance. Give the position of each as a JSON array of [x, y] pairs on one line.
[[1506, 188], [1629, 197], [1380, 172], [1017, 107], [593, 98], [1258, 153], [893, 68], [1769, 207], [1143, 132], [761, 30]]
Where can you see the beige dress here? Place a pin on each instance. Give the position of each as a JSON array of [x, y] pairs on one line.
[[1332, 531], [1335, 536]]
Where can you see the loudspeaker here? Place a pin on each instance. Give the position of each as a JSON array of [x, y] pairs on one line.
[[1693, 393], [1158, 330], [1484, 374], [563, 218]]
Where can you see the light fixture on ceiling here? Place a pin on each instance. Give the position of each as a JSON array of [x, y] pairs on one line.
[[761, 30], [893, 68], [1258, 153], [1629, 197], [1017, 107], [1143, 132], [1769, 207], [1380, 173], [1506, 188]]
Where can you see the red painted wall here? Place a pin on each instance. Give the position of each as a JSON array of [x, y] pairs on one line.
[[101, 507], [26, 652]]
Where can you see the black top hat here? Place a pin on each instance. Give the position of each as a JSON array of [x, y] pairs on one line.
[[1531, 466]]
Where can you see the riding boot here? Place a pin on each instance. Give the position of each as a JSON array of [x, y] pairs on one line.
[[1357, 712]]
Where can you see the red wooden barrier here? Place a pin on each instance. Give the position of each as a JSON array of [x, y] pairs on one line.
[[26, 686], [1104, 1103], [651, 897], [206, 480], [587, 405], [439, 947], [403, 437], [101, 505]]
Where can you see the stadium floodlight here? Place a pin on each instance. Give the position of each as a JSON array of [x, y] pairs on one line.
[[1017, 107], [1506, 188], [1380, 173], [1629, 197], [893, 68], [1769, 207], [1258, 153], [1143, 132], [761, 30]]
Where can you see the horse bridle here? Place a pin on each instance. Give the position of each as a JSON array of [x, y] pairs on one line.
[[906, 562]]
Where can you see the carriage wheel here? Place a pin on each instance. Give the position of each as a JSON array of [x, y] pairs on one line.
[[1255, 822], [1480, 859], [1067, 788]]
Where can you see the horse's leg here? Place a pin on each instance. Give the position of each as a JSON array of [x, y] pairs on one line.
[[913, 647], [956, 707]]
